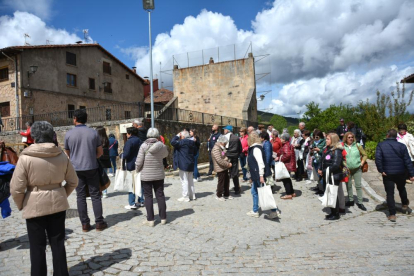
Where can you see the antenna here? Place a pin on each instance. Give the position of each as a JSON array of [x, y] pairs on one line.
[[86, 35], [25, 41]]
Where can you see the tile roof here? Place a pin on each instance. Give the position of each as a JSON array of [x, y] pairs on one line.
[[161, 95], [409, 79], [14, 48]]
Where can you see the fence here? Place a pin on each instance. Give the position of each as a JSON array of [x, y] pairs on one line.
[[123, 112], [64, 118]]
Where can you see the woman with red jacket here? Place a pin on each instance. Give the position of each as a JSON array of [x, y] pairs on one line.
[[245, 149], [27, 134], [286, 155]]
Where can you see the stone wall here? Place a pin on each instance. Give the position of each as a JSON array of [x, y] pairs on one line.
[[166, 128], [7, 92], [216, 88]]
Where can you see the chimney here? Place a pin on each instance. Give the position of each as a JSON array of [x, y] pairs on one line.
[[250, 55], [175, 66], [134, 69], [211, 61]]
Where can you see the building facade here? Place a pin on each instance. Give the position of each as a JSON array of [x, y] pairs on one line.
[[225, 88], [52, 78]]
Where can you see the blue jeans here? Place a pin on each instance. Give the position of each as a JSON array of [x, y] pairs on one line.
[[255, 195], [131, 198], [242, 164], [113, 161], [196, 174]]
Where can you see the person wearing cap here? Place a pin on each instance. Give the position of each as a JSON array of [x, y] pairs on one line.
[[341, 129], [234, 149]]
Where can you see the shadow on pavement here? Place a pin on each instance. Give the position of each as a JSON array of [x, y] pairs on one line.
[[204, 194], [173, 215], [23, 242], [100, 263], [114, 219]]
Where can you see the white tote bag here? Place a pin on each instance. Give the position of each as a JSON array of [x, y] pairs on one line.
[[123, 181], [280, 170], [331, 192], [266, 199], [136, 177]]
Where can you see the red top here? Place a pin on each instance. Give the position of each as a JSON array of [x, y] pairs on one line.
[[27, 134], [288, 156], [245, 145], [162, 139], [276, 144]]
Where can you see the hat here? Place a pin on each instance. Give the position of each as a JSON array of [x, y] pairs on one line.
[[342, 120], [229, 128]]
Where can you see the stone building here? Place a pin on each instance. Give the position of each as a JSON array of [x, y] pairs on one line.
[[53, 78], [225, 88]]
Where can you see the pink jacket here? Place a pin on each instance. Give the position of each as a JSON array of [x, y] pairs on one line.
[[245, 145]]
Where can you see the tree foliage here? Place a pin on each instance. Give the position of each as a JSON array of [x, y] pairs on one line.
[[278, 122]]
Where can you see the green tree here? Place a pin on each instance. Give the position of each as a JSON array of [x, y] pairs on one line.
[[278, 122], [291, 129]]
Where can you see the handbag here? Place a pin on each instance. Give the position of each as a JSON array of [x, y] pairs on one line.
[[331, 192], [136, 183], [266, 199], [123, 180], [103, 177], [364, 167], [281, 171]]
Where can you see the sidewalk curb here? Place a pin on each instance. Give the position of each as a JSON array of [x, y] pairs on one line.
[[371, 191]]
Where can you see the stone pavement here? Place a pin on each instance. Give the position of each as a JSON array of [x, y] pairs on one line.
[[206, 237]]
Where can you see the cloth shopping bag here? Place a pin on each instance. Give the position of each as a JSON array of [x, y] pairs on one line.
[[266, 199], [136, 181], [123, 181], [314, 175], [280, 170], [331, 192]]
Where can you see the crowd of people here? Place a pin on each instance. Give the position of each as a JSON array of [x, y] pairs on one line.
[[336, 157]]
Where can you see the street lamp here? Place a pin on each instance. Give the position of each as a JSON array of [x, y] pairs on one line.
[[149, 7]]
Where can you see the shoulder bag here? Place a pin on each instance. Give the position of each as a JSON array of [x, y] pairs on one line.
[[364, 167]]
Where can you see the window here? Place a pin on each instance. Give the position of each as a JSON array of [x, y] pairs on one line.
[[108, 87], [107, 68], [91, 84], [127, 115], [70, 58], [82, 107], [108, 114], [5, 109], [71, 80], [127, 76], [4, 74], [71, 109]]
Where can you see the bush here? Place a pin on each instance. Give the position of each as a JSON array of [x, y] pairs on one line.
[[410, 127], [370, 148]]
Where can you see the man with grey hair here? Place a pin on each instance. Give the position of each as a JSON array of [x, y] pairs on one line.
[[250, 129], [183, 159], [142, 131], [302, 127]]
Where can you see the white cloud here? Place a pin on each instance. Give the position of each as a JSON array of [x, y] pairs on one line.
[[41, 8], [12, 30], [345, 87]]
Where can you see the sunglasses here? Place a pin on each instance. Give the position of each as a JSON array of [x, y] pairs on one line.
[[316, 137], [350, 137]]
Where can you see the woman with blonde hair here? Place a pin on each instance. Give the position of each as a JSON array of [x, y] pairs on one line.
[[259, 170], [332, 159], [355, 159]]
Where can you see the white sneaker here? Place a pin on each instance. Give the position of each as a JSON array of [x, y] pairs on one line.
[[194, 198], [194, 179], [89, 198], [110, 174], [148, 223], [220, 198], [130, 207], [253, 214], [199, 179], [104, 196], [164, 221], [184, 199], [273, 215], [229, 197]]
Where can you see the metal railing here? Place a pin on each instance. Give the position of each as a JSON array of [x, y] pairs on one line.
[[65, 118]]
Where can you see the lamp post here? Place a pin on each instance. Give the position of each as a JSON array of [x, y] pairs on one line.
[[149, 7]]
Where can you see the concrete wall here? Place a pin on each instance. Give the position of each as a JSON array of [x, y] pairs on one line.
[[218, 88], [49, 88], [166, 128]]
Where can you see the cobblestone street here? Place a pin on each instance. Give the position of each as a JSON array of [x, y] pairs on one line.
[[207, 236]]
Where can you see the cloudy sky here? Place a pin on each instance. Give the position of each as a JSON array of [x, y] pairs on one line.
[[319, 50]]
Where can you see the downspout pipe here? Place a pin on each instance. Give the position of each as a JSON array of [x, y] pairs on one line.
[[16, 83]]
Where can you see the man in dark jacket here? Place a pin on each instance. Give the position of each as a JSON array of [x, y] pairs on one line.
[[215, 134], [113, 153], [234, 149], [392, 162], [183, 159], [129, 156], [341, 130], [142, 130]]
